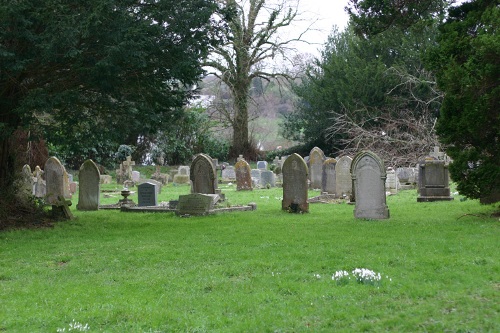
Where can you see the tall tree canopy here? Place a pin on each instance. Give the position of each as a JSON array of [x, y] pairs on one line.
[[466, 63], [97, 70], [253, 40], [369, 94]]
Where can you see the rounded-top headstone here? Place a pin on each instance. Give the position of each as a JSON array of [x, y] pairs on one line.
[[90, 184]]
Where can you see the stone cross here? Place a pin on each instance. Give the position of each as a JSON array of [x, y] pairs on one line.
[[127, 167]]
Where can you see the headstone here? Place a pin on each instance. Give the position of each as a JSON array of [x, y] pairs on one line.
[[26, 184], [55, 176], [262, 165], [202, 175], [39, 188], [196, 203], [316, 159], [255, 173], [295, 185], [229, 174], [67, 190], [343, 177], [182, 175], [73, 186], [267, 178], [158, 184], [90, 185], [392, 181], [329, 176], [433, 180], [368, 176], [106, 179], [147, 194], [136, 175], [243, 176]]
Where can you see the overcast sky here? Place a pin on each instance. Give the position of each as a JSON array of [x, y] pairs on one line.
[[328, 13]]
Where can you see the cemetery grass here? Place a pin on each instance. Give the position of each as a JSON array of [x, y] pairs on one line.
[[260, 271]]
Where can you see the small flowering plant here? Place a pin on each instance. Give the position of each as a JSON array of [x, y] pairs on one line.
[[360, 275], [366, 276], [75, 326], [341, 277]]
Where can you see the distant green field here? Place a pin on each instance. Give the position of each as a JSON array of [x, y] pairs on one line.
[[259, 271]]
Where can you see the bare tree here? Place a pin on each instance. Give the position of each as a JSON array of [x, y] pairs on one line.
[[254, 44], [400, 134]]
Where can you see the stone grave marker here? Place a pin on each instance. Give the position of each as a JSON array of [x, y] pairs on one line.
[[136, 175], [262, 165], [316, 159], [295, 188], [25, 185], [329, 176], [55, 176], [267, 178], [106, 179], [255, 173], [202, 175], [90, 186], [229, 174], [392, 181], [39, 188], [343, 180], [433, 180], [147, 194], [243, 176], [368, 176], [196, 203], [182, 175]]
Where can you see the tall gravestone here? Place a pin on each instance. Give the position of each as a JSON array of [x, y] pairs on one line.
[[295, 189], [316, 159], [25, 184], [343, 179], [55, 176], [243, 176], [90, 186], [368, 176], [329, 178], [147, 194], [433, 180], [267, 178], [203, 175], [39, 190]]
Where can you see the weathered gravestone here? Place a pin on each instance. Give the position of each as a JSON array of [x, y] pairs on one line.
[[196, 203], [255, 173], [392, 182], [343, 179], [90, 186], [433, 180], [267, 178], [368, 176], [182, 175], [25, 183], [243, 176], [262, 165], [136, 175], [316, 159], [39, 190], [147, 194], [229, 174], [158, 184], [202, 175], [56, 181], [295, 185], [329, 178]]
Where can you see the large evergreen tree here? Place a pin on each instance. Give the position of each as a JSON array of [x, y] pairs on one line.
[[98, 70], [467, 63]]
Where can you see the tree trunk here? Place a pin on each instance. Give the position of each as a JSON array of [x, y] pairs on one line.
[[241, 144]]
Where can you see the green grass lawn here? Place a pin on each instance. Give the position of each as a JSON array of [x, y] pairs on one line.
[[259, 271]]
